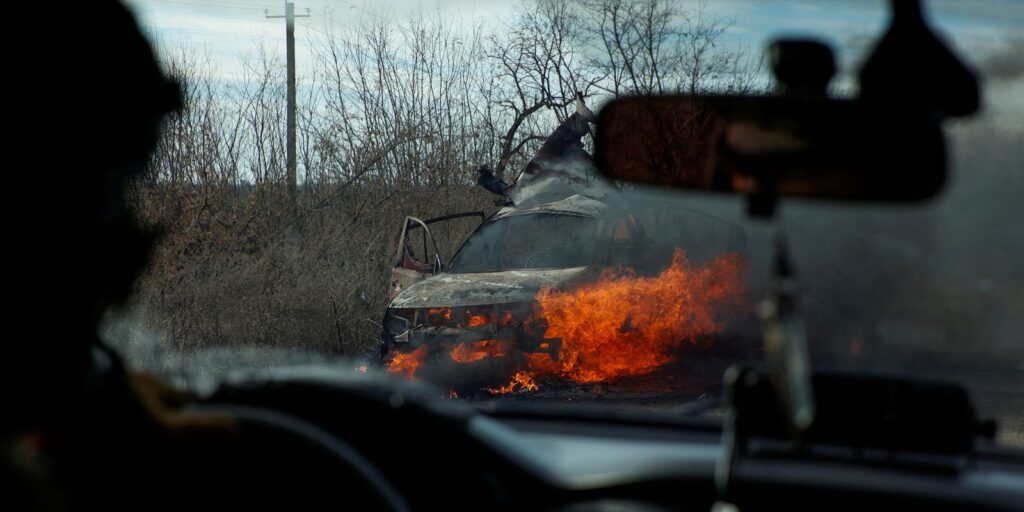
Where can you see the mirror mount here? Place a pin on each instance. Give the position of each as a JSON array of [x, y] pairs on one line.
[[911, 65], [761, 205], [787, 360], [802, 67]]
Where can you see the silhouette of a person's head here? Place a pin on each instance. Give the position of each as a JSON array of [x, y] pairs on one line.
[[109, 99]]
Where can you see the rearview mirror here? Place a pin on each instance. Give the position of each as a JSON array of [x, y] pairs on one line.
[[774, 146]]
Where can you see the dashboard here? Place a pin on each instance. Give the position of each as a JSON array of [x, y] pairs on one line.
[[438, 452]]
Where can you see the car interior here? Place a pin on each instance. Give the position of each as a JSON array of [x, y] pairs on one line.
[[84, 431]]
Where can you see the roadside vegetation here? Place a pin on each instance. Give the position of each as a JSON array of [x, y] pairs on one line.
[[394, 119]]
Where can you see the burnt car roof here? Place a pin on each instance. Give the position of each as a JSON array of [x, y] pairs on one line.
[[576, 204]]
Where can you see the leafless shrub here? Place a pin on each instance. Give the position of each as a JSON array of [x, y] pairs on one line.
[[394, 119]]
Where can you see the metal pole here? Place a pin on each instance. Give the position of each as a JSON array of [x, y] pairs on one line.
[[289, 12], [289, 16]]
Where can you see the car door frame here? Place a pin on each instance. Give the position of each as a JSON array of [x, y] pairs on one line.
[[405, 269]]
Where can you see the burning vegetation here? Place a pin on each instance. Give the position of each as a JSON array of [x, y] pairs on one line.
[[621, 325]]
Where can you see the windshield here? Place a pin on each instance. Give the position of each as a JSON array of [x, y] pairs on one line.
[[528, 241], [282, 186]]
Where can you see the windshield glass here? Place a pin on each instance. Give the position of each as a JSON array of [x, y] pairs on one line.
[[436, 108], [528, 241]]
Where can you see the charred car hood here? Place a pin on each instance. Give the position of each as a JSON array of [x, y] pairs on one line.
[[477, 289]]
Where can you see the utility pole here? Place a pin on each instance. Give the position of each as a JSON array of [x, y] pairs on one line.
[[289, 16]]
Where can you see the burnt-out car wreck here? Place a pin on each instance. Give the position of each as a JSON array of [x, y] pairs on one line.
[[480, 311], [475, 319]]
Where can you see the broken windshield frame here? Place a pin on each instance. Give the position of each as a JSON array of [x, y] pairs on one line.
[[548, 240], [412, 224]]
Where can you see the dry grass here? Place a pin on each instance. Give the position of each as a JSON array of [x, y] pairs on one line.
[[237, 268]]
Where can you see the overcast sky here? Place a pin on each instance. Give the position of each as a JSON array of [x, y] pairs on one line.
[[225, 30]]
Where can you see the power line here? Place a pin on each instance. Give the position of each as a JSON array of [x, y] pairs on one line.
[[215, 5], [243, 4], [314, 29]]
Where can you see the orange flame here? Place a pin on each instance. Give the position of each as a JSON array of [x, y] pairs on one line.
[[629, 325], [621, 325], [406, 363], [439, 315], [521, 381], [469, 352], [478, 320]]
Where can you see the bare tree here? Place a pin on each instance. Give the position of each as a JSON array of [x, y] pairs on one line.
[[661, 46], [538, 70]]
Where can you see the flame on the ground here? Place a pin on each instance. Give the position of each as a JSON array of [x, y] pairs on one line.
[[620, 325], [521, 381]]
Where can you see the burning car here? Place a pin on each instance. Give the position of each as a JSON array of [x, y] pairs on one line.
[[562, 228]]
